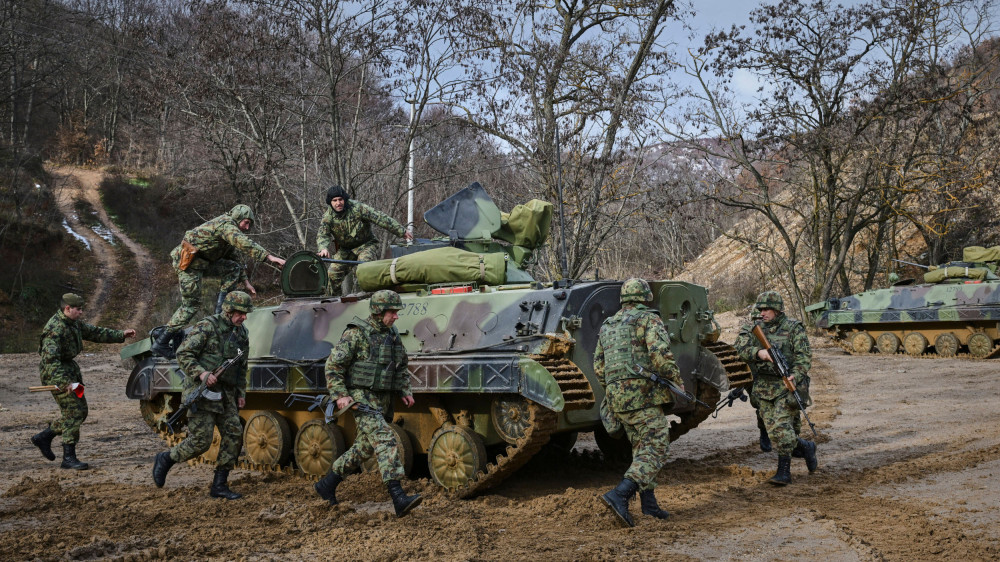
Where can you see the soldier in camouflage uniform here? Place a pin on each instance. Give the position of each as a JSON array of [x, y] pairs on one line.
[[776, 405], [346, 225], [209, 344], [215, 242], [368, 366], [61, 341], [636, 337]]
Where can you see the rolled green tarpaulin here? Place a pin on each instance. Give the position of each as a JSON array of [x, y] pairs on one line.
[[940, 274], [440, 265], [979, 253]]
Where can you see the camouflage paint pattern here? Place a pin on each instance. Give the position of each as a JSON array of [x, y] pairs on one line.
[[60, 342], [373, 436], [352, 228], [337, 272], [200, 428]]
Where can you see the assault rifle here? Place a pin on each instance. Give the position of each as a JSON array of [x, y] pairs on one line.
[[734, 395], [781, 365], [202, 390], [323, 401], [348, 262], [914, 264], [670, 386]]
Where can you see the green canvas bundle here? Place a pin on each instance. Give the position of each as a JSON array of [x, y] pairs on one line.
[[942, 273], [979, 253], [440, 265]]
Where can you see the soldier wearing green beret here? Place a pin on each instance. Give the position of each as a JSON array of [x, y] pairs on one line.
[[346, 225], [776, 406], [61, 341], [636, 337], [368, 366], [207, 346], [207, 250]]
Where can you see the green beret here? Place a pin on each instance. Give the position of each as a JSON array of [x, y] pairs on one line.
[[73, 299]]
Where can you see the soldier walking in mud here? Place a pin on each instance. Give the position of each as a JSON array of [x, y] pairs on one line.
[[346, 225], [61, 341], [210, 343], [777, 406], [205, 250], [368, 368], [633, 347]]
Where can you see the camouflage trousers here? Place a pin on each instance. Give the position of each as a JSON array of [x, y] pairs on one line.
[[782, 422], [200, 427], [338, 271], [229, 273], [72, 410], [373, 436], [648, 431]]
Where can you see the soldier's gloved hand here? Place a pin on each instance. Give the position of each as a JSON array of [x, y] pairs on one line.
[[737, 394]]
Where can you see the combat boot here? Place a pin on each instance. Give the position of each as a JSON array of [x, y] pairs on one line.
[[784, 475], [806, 450], [219, 301], [765, 441], [402, 502], [161, 345], [649, 506], [69, 458], [43, 441], [219, 487], [161, 466], [618, 499], [327, 487]]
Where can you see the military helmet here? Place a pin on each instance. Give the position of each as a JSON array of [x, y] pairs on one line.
[[384, 300], [240, 212], [770, 299], [238, 301], [636, 290]]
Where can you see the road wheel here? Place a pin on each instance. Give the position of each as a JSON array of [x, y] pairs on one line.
[[267, 438], [455, 456], [980, 345], [405, 451], [915, 344], [946, 345], [888, 343], [317, 445], [510, 417], [862, 342]]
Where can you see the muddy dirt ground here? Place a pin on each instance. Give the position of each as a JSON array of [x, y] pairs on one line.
[[909, 461]]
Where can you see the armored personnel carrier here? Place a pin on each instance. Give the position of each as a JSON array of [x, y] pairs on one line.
[[955, 312], [500, 365]]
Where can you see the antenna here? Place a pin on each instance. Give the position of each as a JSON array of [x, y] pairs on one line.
[[562, 214]]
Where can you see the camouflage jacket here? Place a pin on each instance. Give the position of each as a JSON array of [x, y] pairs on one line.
[[352, 227], [789, 337], [635, 334], [216, 239], [62, 340], [209, 343], [355, 345]]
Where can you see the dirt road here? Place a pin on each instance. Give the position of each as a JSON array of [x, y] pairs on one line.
[[909, 462]]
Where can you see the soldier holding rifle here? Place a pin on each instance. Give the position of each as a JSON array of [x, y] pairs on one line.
[[208, 346], [776, 398], [61, 341]]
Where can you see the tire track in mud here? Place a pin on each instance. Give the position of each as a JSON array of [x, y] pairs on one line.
[[73, 184]]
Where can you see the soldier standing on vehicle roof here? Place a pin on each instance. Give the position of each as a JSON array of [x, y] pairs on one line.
[[61, 341], [205, 250], [209, 344], [776, 405], [368, 366], [635, 337], [346, 225]]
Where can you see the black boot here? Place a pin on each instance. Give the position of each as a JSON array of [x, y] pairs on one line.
[[618, 499], [402, 502], [806, 450], [219, 301], [70, 460], [649, 506], [43, 441], [161, 345], [327, 487], [784, 475], [765, 441], [219, 487], [161, 466]]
